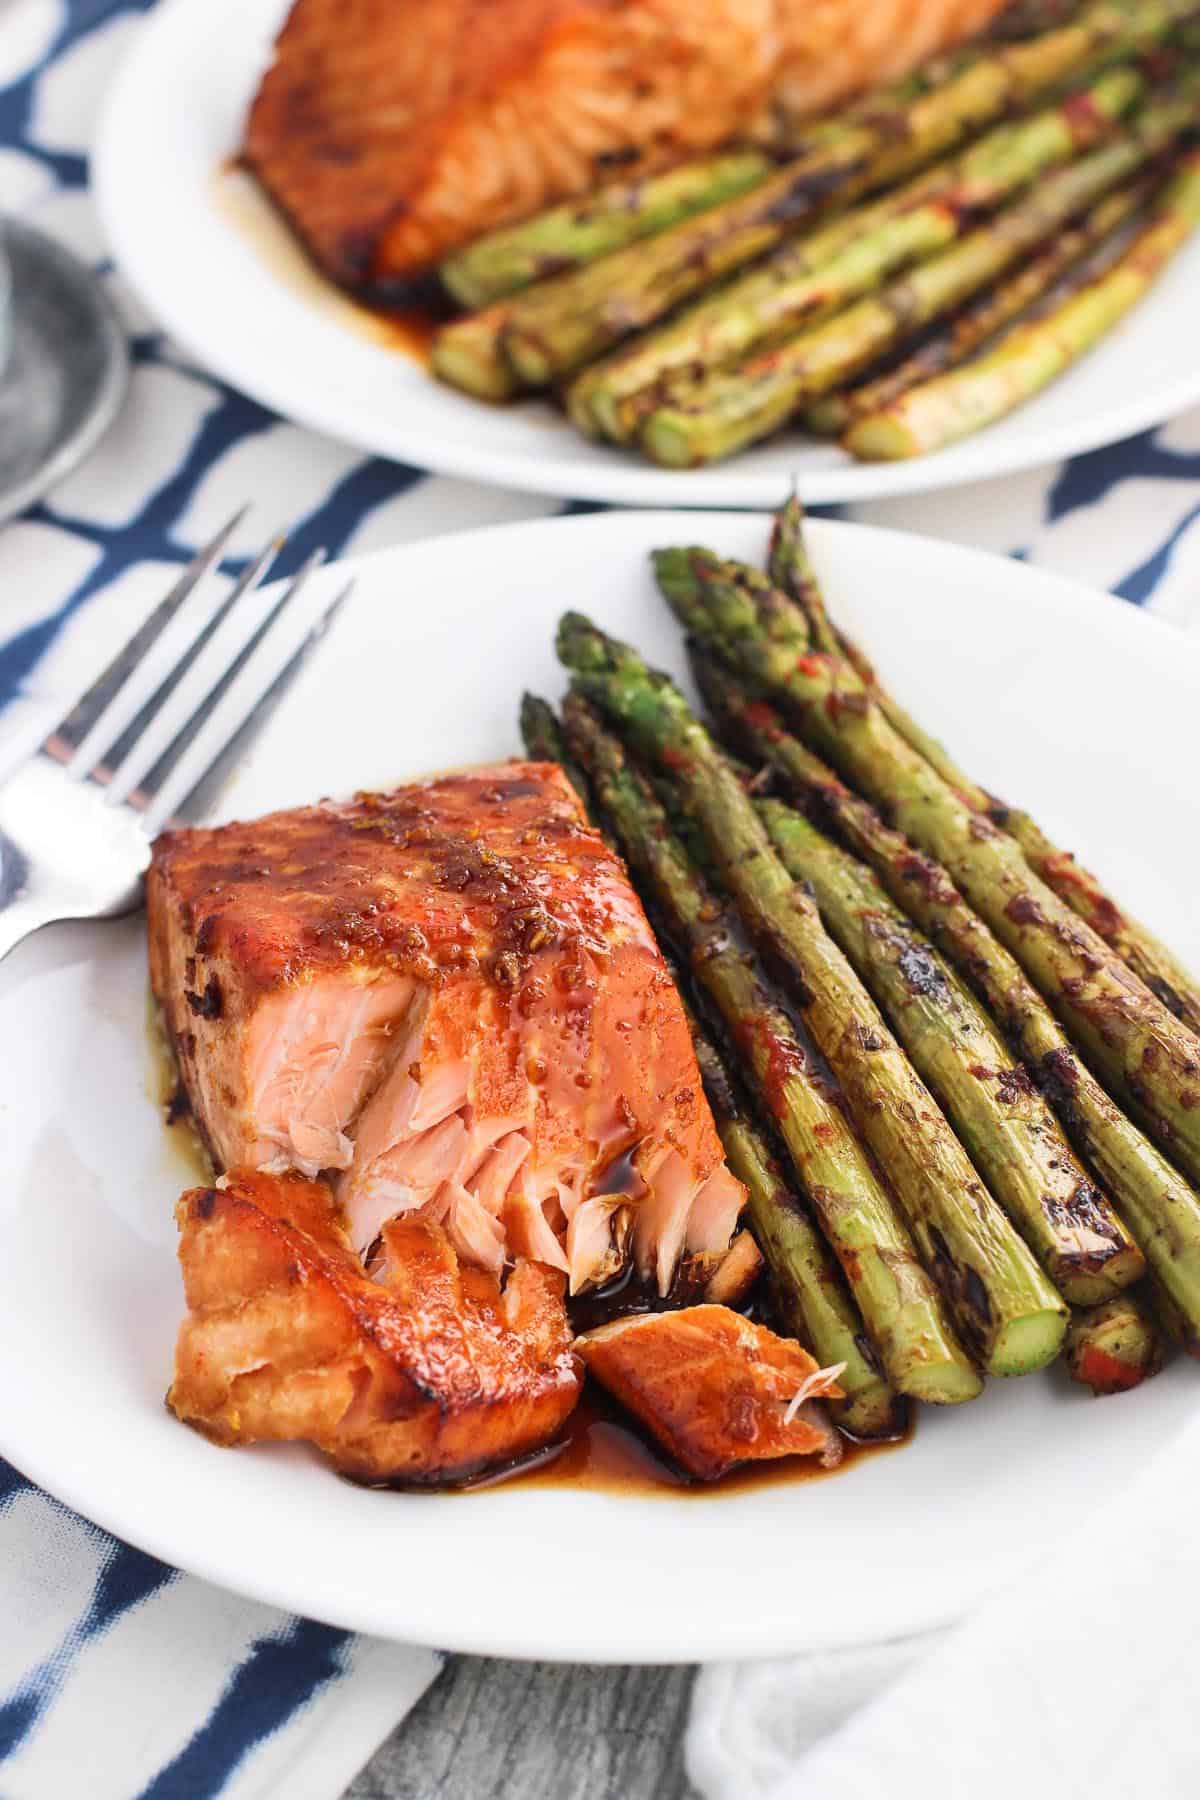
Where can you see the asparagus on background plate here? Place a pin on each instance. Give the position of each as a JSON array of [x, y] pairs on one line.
[[1054, 270], [903, 1312], [818, 275], [1160, 969], [1033, 354], [558, 325], [1003, 1303], [580, 231], [704, 420]]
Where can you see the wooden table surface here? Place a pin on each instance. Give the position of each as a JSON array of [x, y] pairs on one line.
[[523, 1731]]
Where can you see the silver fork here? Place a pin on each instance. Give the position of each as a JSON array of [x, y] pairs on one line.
[[161, 726]]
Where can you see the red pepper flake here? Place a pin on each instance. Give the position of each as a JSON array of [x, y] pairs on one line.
[[811, 663], [1106, 1374], [1083, 118], [761, 717]]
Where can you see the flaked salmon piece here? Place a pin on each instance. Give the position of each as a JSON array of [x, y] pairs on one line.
[[390, 131], [449, 998], [430, 1372], [714, 1388]]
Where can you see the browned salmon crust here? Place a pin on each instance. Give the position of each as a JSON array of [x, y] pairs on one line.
[[390, 131], [428, 1373], [448, 997], [715, 1388]]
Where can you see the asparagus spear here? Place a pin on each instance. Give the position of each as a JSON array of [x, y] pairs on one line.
[[904, 1314], [1137, 946], [468, 354], [814, 277], [554, 331], [1005, 1124], [1034, 354], [1125, 1031], [705, 420], [1177, 1328], [1161, 1209], [1113, 1347], [542, 736], [948, 346], [810, 1292], [579, 231], [1002, 1302]]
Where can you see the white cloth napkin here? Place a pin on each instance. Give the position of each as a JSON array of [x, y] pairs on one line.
[[121, 1677], [1079, 1679]]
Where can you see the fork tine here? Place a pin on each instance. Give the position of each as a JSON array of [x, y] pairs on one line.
[[132, 733], [69, 733], [148, 777], [199, 793]]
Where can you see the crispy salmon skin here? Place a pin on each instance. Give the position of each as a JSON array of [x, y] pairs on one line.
[[428, 1373], [391, 131], [448, 999]]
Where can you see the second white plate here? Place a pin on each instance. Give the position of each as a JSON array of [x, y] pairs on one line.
[[214, 263]]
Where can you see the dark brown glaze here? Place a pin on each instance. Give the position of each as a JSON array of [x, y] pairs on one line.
[[472, 868], [602, 1450], [488, 885]]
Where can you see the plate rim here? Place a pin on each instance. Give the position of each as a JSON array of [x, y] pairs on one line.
[[623, 482], [205, 1560]]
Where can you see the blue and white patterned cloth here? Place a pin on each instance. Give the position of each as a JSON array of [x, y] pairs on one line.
[[118, 1676]]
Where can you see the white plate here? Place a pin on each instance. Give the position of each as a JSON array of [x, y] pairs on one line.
[[213, 262], [1051, 694]]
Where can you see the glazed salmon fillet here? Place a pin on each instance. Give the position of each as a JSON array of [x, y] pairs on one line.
[[446, 998], [391, 131], [715, 1388], [429, 1372]]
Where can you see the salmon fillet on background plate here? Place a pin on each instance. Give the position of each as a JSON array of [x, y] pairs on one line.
[[391, 131], [445, 998]]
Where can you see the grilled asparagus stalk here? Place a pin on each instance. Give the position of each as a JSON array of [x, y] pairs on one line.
[[1113, 1347], [817, 276], [1148, 1056], [1162, 1211], [704, 420], [1014, 1139], [553, 331], [468, 354], [1034, 354], [904, 1314], [1001, 1300], [1158, 967], [1053, 270], [543, 738], [810, 1292], [580, 231]]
